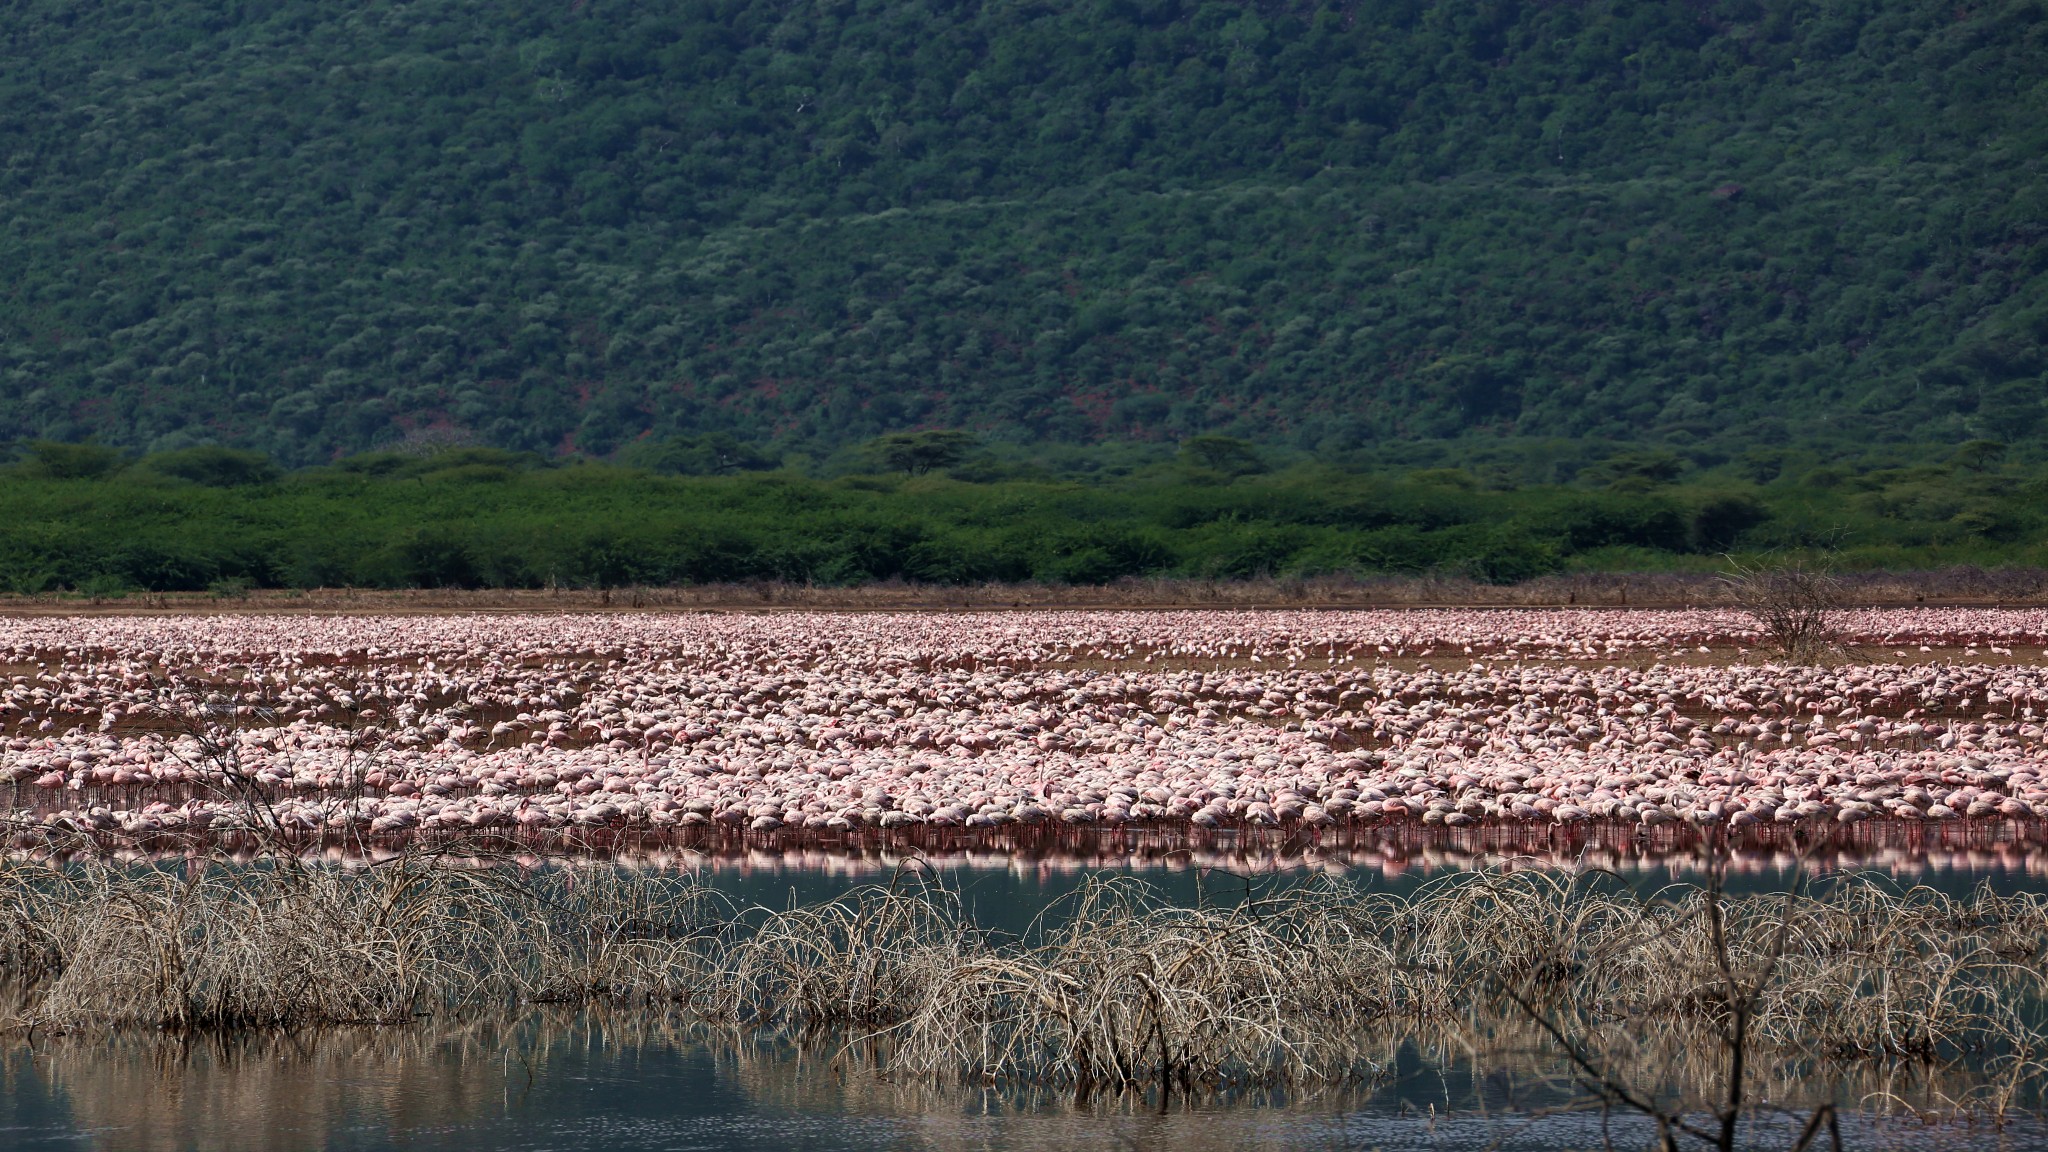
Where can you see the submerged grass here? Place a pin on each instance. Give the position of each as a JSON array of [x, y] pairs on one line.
[[1113, 990]]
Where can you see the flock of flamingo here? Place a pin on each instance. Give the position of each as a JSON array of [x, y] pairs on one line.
[[837, 725]]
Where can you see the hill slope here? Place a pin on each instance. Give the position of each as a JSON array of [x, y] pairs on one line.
[[310, 228]]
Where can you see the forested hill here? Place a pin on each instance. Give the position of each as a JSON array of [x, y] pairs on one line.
[[309, 228]]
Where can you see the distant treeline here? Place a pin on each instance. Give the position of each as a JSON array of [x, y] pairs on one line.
[[84, 519]]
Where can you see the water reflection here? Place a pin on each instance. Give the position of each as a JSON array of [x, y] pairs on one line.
[[548, 1080], [1906, 849]]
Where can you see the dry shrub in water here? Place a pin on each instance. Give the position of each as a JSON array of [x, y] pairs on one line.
[[224, 947], [1863, 973], [1297, 986], [1129, 990], [209, 945], [863, 960], [1115, 989], [606, 934], [1719, 995]]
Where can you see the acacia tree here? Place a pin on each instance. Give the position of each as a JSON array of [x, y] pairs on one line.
[[920, 452]]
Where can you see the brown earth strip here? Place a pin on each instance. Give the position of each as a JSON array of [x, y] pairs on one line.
[[1957, 587]]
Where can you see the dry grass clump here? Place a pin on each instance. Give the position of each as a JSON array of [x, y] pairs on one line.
[[603, 934], [1128, 990], [1859, 972], [865, 960], [1113, 988], [246, 947], [204, 945], [1862, 973]]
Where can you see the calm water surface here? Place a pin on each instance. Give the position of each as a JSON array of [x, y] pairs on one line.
[[578, 1082], [581, 1086]]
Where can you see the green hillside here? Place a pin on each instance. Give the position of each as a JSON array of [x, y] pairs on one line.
[[312, 228]]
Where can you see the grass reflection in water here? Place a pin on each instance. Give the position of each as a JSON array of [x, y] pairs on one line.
[[595, 1077]]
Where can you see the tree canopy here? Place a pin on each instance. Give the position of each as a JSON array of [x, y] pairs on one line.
[[312, 229]]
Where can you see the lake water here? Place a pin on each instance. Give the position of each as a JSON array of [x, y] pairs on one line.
[[583, 1084], [611, 1081]]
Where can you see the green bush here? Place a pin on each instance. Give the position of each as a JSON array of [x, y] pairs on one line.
[[213, 467], [72, 461], [473, 522]]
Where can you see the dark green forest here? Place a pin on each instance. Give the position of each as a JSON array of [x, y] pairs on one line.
[[586, 228], [939, 511]]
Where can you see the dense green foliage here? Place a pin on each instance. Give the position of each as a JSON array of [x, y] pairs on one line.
[[484, 518], [311, 228]]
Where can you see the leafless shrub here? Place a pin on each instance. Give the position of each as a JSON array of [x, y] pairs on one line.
[[1793, 602], [1864, 975]]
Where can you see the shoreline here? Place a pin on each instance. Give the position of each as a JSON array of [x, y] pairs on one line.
[[1945, 588]]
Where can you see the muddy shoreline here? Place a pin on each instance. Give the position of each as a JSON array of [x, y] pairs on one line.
[[1956, 588]]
